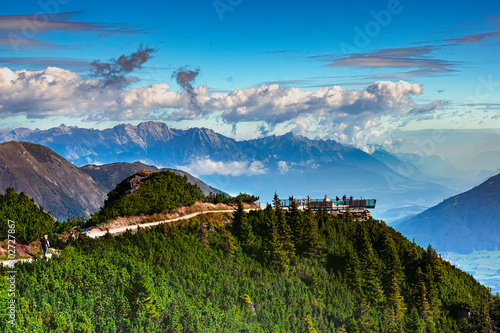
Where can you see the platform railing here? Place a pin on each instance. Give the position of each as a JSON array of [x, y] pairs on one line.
[[329, 204]]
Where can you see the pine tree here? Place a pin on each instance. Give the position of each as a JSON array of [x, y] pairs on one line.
[[495, 308], [414, 322], [142, 295], [274, 251], [285, 233], [311, 234], [432, 290], [295, 219], [480, 314], [392, 282], [354, 274], [432, 259], [243, 226], [276, 201], [371, 280], [229, 245], [422, 302]]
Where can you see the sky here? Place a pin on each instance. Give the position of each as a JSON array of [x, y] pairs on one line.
[[355, 71]]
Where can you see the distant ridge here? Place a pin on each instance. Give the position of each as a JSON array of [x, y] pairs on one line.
[[157, 144], [259, 166], [54, 183], [463, 223], [109, 175], [60, 187]]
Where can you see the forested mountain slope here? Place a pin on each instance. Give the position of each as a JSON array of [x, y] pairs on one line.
[[266, 271]]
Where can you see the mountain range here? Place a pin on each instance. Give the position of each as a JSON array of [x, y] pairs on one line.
[[463, 223], [289, 164], [60, 187]]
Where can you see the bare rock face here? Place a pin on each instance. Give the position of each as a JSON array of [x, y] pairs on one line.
[[129, 185], [54, 183], [132, 183], [108, 176]]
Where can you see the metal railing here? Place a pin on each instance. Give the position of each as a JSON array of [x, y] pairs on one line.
[[334, 204]]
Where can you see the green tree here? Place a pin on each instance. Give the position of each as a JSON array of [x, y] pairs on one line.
[[141, 294], [392, 282], [20, 213], [295, 219], [311, 234], [369, 267], [285, 233], [423, 304], [274, 251], [242, 226]]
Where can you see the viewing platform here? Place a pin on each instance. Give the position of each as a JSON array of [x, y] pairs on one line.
[[329, 204]]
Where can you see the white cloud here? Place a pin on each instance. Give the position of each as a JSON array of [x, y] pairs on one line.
[[283, 167], [58, 92], [351, 116], [206, 166]]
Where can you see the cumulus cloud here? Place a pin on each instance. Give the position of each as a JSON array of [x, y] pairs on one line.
[[276, 105], [335, 112], [58, 92], [283, 167], [206, 166]]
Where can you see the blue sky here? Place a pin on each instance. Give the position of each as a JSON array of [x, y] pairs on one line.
[[353, 71]]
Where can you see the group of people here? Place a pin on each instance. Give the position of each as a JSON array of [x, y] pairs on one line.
[[337, 199], [300, 202], [325, 199]]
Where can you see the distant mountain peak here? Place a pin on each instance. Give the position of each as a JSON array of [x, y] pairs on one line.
[[54, 183], [461, 223], [153, 126], [288, 135], [63, 129]]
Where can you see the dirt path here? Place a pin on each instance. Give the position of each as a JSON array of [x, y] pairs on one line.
[[97, 232]]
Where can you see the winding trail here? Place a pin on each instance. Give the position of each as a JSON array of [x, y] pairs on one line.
[[97, 232]]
